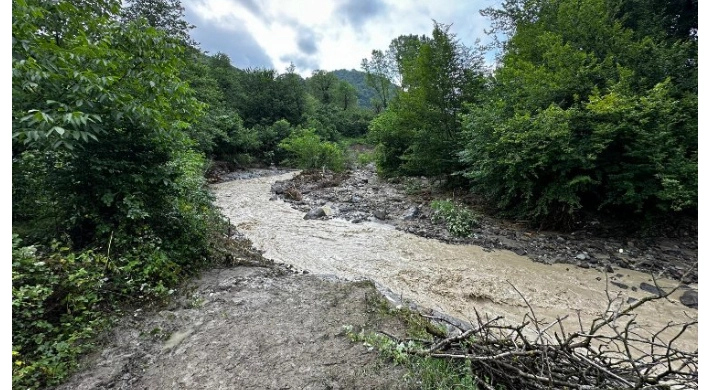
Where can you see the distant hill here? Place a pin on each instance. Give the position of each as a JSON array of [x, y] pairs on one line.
[[357, 79]]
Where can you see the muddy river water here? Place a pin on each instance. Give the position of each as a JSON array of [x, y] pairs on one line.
[[452, 279]]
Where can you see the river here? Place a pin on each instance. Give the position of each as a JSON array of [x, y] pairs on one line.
[[452, 279]]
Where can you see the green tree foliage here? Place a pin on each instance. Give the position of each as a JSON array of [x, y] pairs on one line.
[[420, 134], [402, 53], [379, 75], [164, 15], [345, 96], [247, 109], [322, 85], [101, 158], [333, 109], [306, 150], [365, 93], [265, 97], [585, 111]]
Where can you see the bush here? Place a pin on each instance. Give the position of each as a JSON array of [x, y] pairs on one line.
[[618, 152], [307, 151], [460, 221], [56, 303]]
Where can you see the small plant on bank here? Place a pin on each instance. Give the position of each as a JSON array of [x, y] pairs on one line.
[[460, 221], [424, 372]]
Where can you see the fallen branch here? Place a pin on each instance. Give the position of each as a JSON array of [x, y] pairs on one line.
[[610, 353]]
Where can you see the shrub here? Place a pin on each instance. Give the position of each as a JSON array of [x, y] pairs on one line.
[[56, 303], [308, 151], [617, 152], [460, 221]]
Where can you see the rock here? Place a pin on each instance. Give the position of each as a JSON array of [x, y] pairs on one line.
[[582, 256], [690, 299], [609, 269], [631, 300], [620, 285], [278, 188], [327, 210], [411, 213], [508, 243], [380, 214], [651, 289], [226, 284], [356, 199], [520, 251], [315, 213]]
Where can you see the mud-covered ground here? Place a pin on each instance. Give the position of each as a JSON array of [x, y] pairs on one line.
[[360, 195], [248, 327]]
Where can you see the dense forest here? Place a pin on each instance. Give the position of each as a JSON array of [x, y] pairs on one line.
[[117, 116]]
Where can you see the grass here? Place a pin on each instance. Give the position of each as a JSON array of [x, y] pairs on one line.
[[422, 372]]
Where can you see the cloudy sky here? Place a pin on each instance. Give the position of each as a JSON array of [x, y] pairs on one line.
[[322, 34]]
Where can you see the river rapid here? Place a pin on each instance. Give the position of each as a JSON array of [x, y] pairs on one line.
[[452, 279]]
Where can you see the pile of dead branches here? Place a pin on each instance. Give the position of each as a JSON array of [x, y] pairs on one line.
[[612, 352]]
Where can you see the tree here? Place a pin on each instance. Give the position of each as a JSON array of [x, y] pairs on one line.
[[356, 78], [101, 158], [165, 15], [580, 114], [322, 85], [402, 53], [380, 74], [438, 79], [345, 95]]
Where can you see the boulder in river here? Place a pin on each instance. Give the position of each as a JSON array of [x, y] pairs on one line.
[[380, 214], [690, 299], [652, 289], [278, 188], [315, 213]]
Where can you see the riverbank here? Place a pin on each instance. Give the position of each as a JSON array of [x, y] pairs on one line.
[[281, 326], [360, 195], [248, 327]]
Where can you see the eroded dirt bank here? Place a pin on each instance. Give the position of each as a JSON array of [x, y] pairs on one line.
[[453, 279], [246, 328]]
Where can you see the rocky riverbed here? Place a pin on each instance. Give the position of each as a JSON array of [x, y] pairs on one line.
[[360, 195]]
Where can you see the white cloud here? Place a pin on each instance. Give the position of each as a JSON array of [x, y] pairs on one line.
[[275, 25]]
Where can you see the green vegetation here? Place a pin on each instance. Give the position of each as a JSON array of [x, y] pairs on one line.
[[116, 114], [419, 133], [109, 205], [307, 151], [366, 94], [423, 372], [592, 107], [459, 220]]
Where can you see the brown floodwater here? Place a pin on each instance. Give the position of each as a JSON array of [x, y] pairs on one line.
[[452, 279]]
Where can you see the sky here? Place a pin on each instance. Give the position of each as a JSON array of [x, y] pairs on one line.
[[322, 34]]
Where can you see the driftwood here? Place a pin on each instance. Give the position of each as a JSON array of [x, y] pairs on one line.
[[612, 352]]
